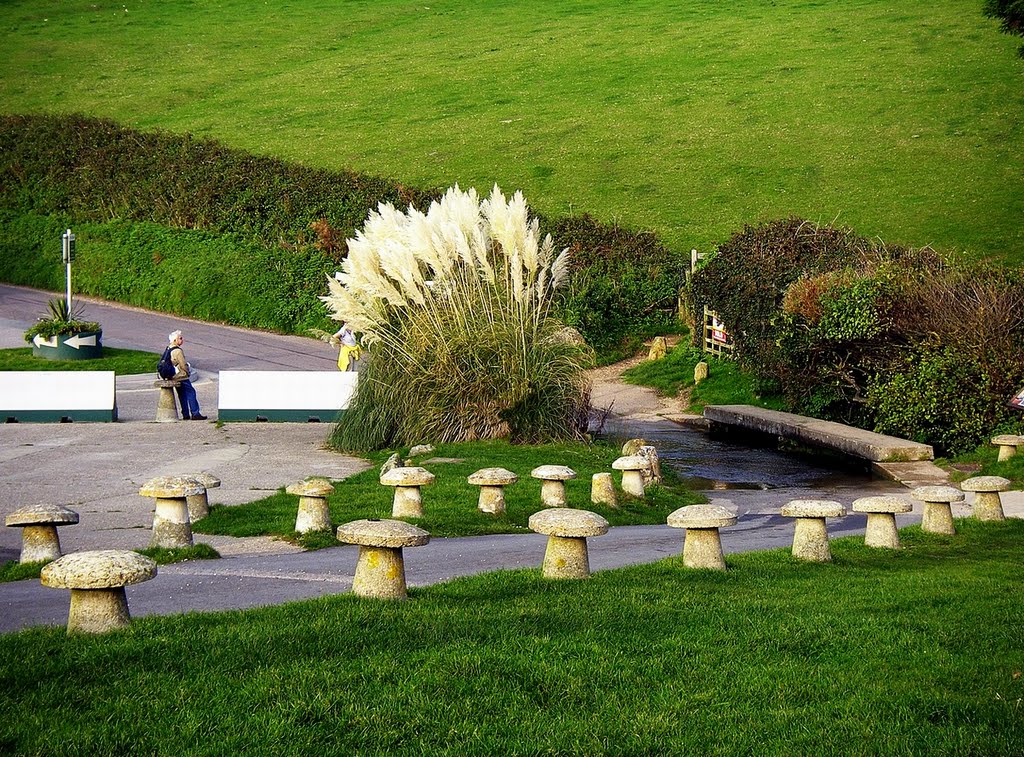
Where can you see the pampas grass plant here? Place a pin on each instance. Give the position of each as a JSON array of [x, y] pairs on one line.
[[455, 307]]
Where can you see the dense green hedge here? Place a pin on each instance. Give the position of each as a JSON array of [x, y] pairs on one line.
[[265, 232], [198, 274]]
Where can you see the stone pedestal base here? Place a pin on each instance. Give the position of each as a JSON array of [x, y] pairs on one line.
[[988, 506], [552, 493], [702, 548], [881, 531], [314, 515], [171, 526], [810, 540], [98, 610], [408, 503], [380, 574], [492, 500], [166, 407], [938, 519], [566, 557], [39, 543]]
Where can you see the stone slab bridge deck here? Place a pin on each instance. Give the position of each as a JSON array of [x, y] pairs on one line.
[[866, 445]]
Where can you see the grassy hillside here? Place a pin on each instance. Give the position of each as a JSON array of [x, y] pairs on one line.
[[689, 118]]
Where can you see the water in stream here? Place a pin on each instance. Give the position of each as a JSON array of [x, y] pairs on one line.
[[711, 463]]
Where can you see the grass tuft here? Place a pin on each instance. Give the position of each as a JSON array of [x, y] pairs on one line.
[[12, 570], [164, 556]]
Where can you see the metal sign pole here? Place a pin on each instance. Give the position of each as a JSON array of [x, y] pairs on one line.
[[68, 250]]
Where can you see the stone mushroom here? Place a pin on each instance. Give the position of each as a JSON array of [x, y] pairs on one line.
[[314, 513], [172, 528], [881, 527], [380, 569], [567, 531], [1007, 444], [97, 580], [199, 504], [987, 505], [938, 515], [602, 490], [632, 467], [39, 539], [810, 537], [492, 483], [702, 545], [552, 488], [407, 482]]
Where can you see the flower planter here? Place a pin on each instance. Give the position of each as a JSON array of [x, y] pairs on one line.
[[83, 345]]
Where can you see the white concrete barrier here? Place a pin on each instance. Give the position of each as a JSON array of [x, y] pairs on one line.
[[284, 395], [57, 396]]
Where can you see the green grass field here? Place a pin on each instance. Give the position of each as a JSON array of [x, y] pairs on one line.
[[688, 118], [916, 652], [122, 362]]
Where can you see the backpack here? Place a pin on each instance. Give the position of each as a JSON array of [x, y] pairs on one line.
[[165, 368]]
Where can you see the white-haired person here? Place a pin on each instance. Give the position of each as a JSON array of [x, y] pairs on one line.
[[349, 353], [182, 370]]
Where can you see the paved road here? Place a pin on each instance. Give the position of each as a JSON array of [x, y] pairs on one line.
[[97, 469]]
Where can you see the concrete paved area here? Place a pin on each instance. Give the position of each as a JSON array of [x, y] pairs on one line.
[[97, 470]]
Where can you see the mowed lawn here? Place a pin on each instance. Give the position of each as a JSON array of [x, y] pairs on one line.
[[916, 652], [690, 118]]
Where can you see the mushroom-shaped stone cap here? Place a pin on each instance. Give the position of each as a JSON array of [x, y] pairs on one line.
[[171, 487], [937, 494], [98, 569], [40, 515], [493, 477], [702, 516], [553, 473], [813, 508], [382, 533], [569, 523], [205, 480], [408, 476], [631, 462], [882, 505], [985, 484], [315, 487], [1008, 439]]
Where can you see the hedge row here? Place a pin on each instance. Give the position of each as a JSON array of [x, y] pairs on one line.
[[273, 228]]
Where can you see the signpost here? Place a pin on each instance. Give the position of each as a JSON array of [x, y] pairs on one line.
[[68, 254]]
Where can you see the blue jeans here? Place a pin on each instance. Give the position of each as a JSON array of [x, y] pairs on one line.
[[187, 397]]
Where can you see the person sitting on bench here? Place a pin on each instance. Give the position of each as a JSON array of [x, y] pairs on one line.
[[182, 372]]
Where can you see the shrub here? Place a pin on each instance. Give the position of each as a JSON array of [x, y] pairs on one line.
[[936, 395], [889, 338], [1011, 16], [455, 306], [624, 285], [745, 280]]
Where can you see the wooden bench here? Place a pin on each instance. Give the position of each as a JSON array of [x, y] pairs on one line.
[[57, 396], [166, 406], [291, 396]]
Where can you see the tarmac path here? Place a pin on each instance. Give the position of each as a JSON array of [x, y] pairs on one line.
[[97, 469]]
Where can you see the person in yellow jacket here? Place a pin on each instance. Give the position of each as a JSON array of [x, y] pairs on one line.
[[349, 348]]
